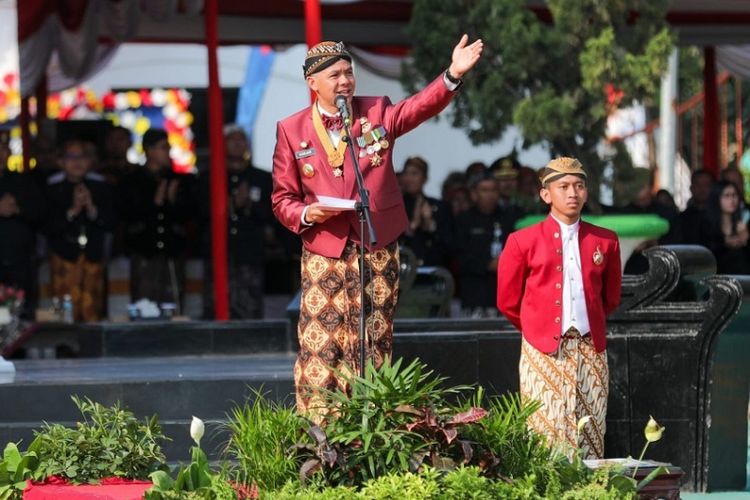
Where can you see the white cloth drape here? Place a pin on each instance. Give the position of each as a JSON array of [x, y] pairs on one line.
[[78, 53], [57, 80], [381, 65], [34, 54], [76, 47], [735, 59]]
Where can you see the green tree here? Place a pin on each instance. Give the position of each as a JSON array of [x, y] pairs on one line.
[[548, 78]]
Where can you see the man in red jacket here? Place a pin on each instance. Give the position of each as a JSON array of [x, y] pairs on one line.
[[310, 160], [556, 282]]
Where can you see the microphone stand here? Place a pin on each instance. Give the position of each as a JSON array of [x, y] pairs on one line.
[[363, 209]]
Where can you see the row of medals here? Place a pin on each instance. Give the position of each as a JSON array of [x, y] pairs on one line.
[[371, 142]]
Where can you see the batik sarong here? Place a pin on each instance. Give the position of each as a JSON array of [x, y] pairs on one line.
[[328, 328], [570, 384], [83, 281]]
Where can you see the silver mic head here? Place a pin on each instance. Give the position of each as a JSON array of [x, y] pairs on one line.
[[340, 101]]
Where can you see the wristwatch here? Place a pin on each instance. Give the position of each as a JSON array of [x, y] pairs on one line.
[[455, 81]]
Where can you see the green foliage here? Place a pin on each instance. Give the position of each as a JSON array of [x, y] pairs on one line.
[[394, 419], [463, 483], [508, 449], [294, 490], [690, 72], [547, 79], [194, 481], [109, 442], [262, 432], [404, 485], [604, 484], [467, 483], [15, 469]]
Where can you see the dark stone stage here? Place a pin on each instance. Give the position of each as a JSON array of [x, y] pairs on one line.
[[662, 355], [175, 388]]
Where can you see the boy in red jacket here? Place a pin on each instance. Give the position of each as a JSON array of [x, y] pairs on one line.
[[557, 281]]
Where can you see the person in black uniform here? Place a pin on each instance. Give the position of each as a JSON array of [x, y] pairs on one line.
[[80, 213], [692, 217], [115, 164], [250, 226], [506, 171], [155, 204], [430, 220], [480, 236], [21, 212]]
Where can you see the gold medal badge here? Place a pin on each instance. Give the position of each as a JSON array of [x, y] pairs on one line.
[[335, 155], [308, 170], [375, 160], [335, 158], [598, 256]]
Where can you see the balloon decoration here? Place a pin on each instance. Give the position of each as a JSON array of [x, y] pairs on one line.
[[138, 111]]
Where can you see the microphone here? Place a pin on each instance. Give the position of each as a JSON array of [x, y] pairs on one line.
[[340, 101]]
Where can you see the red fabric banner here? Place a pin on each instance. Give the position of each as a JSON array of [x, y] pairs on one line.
[[109, 489]]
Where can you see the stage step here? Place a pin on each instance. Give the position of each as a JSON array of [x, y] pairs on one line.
[[175, 388]]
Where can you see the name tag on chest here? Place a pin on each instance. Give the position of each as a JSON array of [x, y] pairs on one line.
[[304, 153]]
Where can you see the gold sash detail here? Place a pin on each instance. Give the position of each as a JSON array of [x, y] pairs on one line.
[[335, 155]]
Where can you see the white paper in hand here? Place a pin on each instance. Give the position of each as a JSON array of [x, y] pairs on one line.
[[333, 203]]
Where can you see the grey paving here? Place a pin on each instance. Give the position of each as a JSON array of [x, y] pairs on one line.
[[118, 370]]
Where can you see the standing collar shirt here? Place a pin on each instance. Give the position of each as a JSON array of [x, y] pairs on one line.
[[575, 313], [335, 135]]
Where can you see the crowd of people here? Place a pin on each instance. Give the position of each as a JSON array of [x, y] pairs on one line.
[[467, 229], [85, 205]]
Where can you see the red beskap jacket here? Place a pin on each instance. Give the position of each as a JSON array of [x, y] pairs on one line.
[[293, 188], [529, 281]]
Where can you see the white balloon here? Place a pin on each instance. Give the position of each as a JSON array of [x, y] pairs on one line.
[[128, 119], [159, 97]]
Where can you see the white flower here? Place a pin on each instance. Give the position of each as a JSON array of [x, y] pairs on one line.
[[197, 428], [653, 430], [582, 423]]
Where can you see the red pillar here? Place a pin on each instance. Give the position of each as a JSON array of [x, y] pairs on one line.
[[217, 168], [710, 113], [313, 28]]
